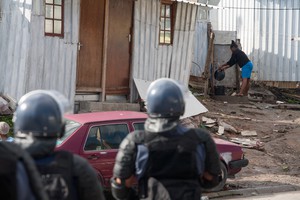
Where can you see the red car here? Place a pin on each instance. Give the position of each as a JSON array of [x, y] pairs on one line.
[[96, 137]]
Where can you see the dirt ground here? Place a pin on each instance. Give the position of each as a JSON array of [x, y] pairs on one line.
[[279, 130]]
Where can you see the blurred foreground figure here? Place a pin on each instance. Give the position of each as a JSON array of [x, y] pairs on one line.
[[19, 178], [4, 129], [168, 160], [38, 123]]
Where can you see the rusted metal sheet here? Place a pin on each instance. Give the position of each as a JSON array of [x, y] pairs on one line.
[[31, 61], [151, 60], [266, 29]]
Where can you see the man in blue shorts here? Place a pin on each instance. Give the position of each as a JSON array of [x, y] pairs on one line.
[[240, 58]]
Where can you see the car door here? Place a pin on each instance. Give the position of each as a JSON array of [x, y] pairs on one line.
[[101, 147]]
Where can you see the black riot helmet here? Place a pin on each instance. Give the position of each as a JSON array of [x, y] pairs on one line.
[[40, 114], [165, 99]]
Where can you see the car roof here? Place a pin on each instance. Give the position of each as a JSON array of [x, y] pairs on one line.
[[84, 118]]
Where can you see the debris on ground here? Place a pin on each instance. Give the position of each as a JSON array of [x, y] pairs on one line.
[[4, 107], [247, 133], [287, 106], [286, 95], [191, 122], [274, 154], [260, 94], [249, 143], [279, 102], [221, 130], [227, 127], [208, 120]]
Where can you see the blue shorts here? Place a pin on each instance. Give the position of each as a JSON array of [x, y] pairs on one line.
[[247, 70]]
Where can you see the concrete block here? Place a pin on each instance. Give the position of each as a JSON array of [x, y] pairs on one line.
[[102, 106]]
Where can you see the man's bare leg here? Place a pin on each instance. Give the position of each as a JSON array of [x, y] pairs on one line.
[[247, 88], [243, 87]]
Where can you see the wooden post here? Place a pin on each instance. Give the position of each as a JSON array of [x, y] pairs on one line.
[[208, 61], [212, 81], [104, 64]]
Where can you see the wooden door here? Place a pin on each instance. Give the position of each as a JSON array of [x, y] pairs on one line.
[[89, 68], [119, 46]]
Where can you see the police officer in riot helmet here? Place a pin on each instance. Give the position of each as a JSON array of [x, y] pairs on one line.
[[38, 123], [168, 160]]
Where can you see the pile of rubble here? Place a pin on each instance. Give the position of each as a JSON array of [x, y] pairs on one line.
[[245, 138], [7, 105], [223, 130]]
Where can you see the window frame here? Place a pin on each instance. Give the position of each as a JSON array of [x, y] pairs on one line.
[[53, 19], [138, 122], [98, 125], [172, 5]]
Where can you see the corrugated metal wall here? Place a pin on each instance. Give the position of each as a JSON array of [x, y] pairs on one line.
[[29, 59], [200, 48], [52, 60], [14, 45], [151, 60], [266, 29]]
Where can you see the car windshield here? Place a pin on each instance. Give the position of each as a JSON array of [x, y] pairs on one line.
[[71, 127]]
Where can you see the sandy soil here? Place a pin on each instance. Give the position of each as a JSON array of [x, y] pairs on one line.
[[279, 130]]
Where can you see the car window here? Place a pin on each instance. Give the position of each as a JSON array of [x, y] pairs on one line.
[[139, 126], [106, 137], [71, 127]]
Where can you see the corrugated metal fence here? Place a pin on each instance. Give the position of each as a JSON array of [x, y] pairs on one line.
[[151, 60], [266, 29]]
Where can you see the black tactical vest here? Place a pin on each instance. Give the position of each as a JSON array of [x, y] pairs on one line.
[[172, 161], [17, 165], [57, 176], [8, 179]]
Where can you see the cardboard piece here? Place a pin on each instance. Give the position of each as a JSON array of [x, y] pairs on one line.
[[192, 104]]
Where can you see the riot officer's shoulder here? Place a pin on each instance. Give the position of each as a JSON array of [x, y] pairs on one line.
[[202, 134], [136, 136], [80, 164]]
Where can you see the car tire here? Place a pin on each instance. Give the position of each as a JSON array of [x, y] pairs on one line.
[[222, 183]]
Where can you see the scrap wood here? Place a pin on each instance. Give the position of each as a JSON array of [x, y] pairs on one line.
[[224, 116], [248, 133], [208, 120], [209, 125], [221, 130], [248, 143], [208, 61], [287, 106], [227, 127], [231, 116]]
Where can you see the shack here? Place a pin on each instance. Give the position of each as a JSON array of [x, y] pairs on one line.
[[92, 50]]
